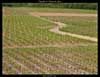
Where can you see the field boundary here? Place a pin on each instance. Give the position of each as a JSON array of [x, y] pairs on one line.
[[60, 14], [53, 45]]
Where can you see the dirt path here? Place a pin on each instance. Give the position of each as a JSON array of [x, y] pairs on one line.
[[56, 29], [60, 25], [60, 14], [53, 45]]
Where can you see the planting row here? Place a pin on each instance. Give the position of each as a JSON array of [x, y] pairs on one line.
[[22, 30], [76, 60]]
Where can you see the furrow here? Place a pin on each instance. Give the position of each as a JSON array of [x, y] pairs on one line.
[[23, 69]]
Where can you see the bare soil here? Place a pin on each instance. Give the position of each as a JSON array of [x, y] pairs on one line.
[[60, 14], [64, 45]]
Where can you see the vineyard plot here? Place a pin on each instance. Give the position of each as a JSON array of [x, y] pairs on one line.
[[29, 47], [51, 60]]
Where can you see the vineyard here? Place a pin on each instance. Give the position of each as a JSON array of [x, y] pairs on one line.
[[29, 47]]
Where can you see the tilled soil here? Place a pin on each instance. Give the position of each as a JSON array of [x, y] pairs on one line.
[[46, 63]]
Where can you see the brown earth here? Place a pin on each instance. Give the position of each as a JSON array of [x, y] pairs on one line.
[[64, 45], [60, 14]]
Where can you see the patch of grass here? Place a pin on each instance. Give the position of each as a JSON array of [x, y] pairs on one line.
[[62, 10]]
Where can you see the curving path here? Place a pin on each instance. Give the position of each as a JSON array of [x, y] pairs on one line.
[[60, 25], [56, 29]]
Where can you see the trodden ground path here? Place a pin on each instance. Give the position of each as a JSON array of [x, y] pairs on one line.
[[60, 25], [61, 14], [56, 29]]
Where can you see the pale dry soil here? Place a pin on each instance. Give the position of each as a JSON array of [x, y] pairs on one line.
[[61, 14], [63, 45]]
